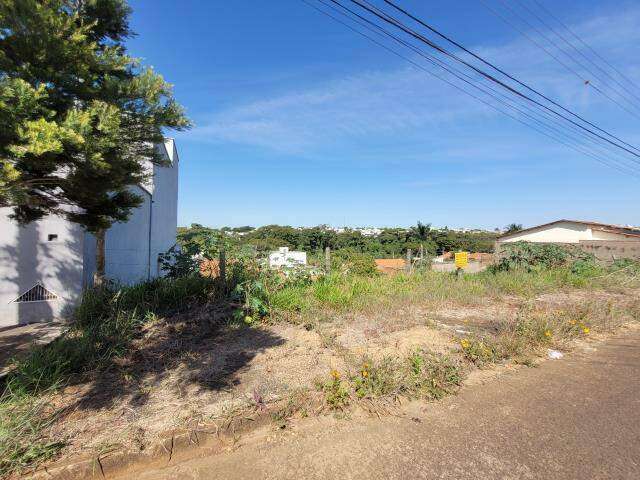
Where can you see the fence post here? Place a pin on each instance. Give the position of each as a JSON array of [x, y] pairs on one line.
[[327, 260], [407, 264], [223, 268]]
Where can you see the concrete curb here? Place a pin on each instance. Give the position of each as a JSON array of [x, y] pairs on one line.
[[173, 447]]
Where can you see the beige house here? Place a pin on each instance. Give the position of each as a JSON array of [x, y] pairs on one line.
[[572, 231], [606, 242]]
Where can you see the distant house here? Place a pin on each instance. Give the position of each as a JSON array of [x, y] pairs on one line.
[[572, 231], [283, 257], [44, 266], [606, 242]]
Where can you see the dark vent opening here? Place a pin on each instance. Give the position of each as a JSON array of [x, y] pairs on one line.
[[37, 293]]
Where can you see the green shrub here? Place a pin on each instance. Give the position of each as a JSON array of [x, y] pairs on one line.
[[531, 256], [177, 263], [586, 268], [630, 265], [378, 379], [336, 392], [431, 376], [355, 263]]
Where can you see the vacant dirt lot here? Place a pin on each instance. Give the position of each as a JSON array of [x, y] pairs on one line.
[[191, 370], [572, 419]]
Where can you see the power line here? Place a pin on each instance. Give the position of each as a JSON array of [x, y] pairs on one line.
[[564, 39], [594, 52], [572, 70], [457, 73], [501, 71], [396, 23], [377, 26], [581, 149]]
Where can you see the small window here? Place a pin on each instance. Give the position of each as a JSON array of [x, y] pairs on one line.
[[53, 237], [37, 293]]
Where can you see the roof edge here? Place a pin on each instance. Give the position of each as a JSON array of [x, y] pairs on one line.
[[604, 226]]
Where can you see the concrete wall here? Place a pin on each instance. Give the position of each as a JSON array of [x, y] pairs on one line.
[[65, 265], [607, 251], [132, 248], [472, 267], [27, 256], [126, 247], [164, 221]]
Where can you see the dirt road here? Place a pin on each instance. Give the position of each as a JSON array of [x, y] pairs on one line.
[[575, 418]]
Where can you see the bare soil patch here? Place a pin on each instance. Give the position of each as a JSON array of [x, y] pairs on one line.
[[193, 369]]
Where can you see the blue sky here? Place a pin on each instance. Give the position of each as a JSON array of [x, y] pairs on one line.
[[301, 122]]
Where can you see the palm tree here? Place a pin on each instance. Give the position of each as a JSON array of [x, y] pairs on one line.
[[513, 227], [421, 231]]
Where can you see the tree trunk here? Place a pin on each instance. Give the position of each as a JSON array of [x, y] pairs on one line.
[[98, 276]]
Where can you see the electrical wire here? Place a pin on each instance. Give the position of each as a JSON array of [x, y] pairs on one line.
[[594, 52], [580, 148], [502, 72], [587, 82], [493, 92], [622, 94], [396, 23]]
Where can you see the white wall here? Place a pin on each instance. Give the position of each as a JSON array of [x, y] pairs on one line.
[[563, 232], [132, 248], [67, 264], [27, 256], [126, 246], [164, 220], [287, 258]]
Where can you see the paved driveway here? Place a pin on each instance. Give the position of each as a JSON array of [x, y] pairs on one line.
[[15, 341]]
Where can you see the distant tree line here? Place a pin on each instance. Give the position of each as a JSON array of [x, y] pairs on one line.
[[390, 242]]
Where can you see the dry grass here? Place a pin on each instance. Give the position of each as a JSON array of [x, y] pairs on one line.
[[385, 339]]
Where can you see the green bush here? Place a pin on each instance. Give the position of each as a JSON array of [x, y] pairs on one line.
[[178, 263], [586, 267], [630, 265], [355, 263], [535, 256]]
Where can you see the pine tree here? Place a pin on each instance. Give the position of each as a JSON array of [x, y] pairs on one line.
[[79, 117]]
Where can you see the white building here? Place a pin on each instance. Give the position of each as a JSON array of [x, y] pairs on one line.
[[44, 266], [572, 232], [285, 258]]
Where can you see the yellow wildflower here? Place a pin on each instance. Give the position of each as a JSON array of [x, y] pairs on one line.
[[365, 374], [572, 322], [335, 374], [586, 330], [464, 343], [547, 333]]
